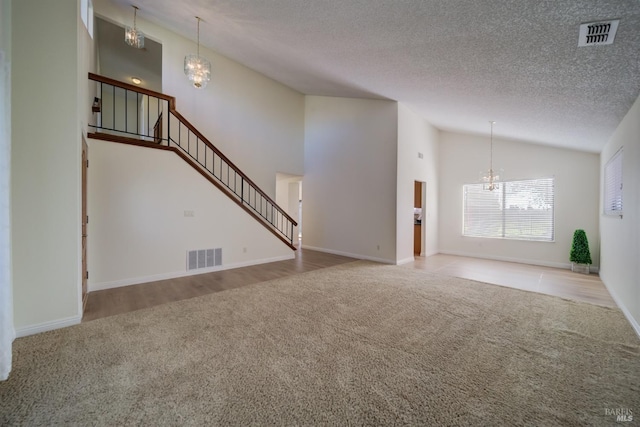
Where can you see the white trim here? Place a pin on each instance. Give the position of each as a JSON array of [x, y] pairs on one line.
[[48, 326], [405, 261], [349, 254], [567, 265], [92, 287], [7, 326], [634, 323]]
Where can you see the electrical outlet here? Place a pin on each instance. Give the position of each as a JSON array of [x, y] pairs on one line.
[[244, 250], [189, 213], [378, 247]]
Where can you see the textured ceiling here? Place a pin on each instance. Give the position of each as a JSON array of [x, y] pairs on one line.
[[458, 63]]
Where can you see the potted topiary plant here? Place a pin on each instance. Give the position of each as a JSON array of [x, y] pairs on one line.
[[580, 256]]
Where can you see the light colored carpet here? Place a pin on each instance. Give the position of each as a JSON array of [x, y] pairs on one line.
[[355, 344]]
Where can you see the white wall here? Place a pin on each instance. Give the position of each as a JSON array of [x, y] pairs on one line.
[[620, 238], [137, 228], [349, 204], [415, 135], [463, 157], [45, 164], [255, 121], [7, 332]]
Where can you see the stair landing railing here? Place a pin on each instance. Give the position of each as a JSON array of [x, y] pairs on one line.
[[128, 113]]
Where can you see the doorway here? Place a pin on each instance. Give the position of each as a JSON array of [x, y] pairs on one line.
[[418, 211], [289, 198]]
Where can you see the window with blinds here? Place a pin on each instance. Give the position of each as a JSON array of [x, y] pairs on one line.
[[521, 210], [613, 185]]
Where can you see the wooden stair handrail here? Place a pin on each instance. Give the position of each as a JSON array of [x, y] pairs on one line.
[[133, 88], [192, 128]]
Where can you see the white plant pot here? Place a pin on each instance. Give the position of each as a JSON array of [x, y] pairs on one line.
[[580, 268]]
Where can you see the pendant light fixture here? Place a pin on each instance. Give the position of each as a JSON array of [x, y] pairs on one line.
[[132, 36], [197, 68], [490, 179]]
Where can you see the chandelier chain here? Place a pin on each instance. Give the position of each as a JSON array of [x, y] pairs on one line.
[[491, 153], [198, 37]]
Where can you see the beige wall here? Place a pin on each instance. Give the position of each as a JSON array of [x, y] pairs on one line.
[[138, 230], [415, 135], [7, 331], [45, 164], [349, 201], [463, 157], [620, 247]]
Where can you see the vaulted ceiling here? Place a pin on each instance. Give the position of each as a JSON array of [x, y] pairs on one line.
[[457, 63]]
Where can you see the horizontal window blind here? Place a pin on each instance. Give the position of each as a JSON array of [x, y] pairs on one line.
[[613, 185], [520, 210]]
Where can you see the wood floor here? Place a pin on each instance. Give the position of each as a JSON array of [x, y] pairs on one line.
[[552, 281], [129, 298]]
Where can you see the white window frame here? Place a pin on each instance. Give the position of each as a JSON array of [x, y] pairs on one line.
[[613, 186], [86, 14], [498, 218]]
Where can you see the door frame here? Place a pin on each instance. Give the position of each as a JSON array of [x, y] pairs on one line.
[[84, 220]]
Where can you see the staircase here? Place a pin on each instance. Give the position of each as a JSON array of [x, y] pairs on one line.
[[132, 115]]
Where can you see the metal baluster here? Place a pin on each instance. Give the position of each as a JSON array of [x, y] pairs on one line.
[[113, 101], [126, 114], [169, 128]]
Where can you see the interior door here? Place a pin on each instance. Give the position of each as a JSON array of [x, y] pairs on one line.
[[85, 165], [417, 220]]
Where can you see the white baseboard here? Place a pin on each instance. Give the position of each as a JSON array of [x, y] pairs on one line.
[[634, 323], [92, 287], [47, 326], [349, 254], [405, 261], [564, 265]]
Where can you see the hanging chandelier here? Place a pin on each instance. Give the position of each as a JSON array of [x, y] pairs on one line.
[[197, 68], [132, 36], [490, 179]]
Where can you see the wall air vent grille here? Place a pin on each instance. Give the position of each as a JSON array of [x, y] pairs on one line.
[[204, 258], [598, 33]]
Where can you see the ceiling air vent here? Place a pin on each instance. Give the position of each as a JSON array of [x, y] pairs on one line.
[[597, 33]]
